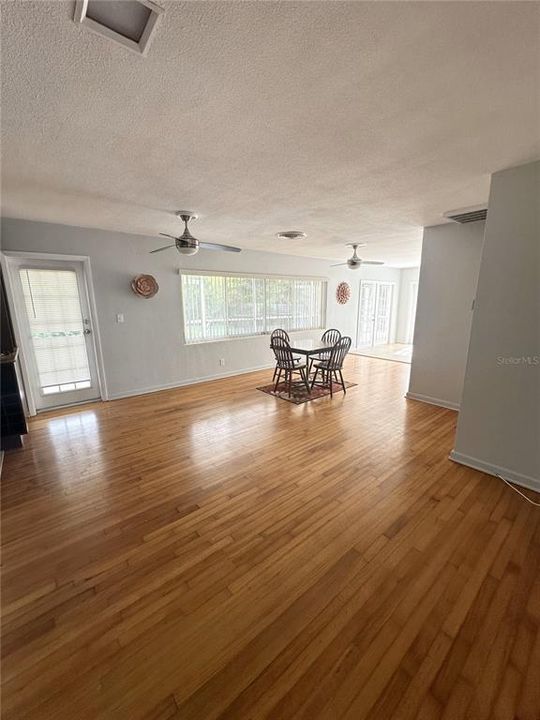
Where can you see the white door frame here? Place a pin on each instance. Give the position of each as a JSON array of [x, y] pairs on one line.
[[390, 319], [9, 260]]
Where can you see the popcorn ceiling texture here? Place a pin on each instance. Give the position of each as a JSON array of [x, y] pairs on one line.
[[351, 121]]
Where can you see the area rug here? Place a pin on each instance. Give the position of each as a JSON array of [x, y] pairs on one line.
[[299, 394]]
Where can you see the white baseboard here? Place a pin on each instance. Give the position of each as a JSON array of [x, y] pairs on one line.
[[433, 401], [189, 381], [518, 478]]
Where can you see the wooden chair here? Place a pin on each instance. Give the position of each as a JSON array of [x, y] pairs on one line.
[[278, 332], [332, 366], [330, 336], [284, 335], [287, 364]]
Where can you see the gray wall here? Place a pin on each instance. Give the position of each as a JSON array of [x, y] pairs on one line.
[[147, 351], [447, 286], [499, 422]]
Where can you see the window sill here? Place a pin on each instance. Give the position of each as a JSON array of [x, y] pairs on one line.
[[247, 337]]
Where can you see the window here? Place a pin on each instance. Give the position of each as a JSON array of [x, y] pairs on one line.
[[229, 306]]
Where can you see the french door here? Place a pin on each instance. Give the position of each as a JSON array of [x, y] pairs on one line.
[[374, 313], [52, 309]]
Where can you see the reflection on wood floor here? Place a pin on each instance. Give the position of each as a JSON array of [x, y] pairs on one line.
[[213, 552], [400, 352]]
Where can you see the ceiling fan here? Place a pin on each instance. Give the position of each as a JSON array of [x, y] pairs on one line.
[[354, 262], [186, 244]]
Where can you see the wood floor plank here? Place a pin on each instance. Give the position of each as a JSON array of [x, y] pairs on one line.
[[213, 553]]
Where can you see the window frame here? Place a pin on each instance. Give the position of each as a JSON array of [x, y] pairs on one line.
[[261, 276]]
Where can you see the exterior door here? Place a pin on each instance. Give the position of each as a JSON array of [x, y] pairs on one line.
[[366, 313], [383, 314], [374, 313], [52, 307]]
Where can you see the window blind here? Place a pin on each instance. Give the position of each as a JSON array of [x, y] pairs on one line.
[[229, 306], [56, 327]]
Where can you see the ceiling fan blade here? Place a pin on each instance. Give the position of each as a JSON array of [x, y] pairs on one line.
[[217, 246], [338, 265], [166, 247], [167, 235], [372, 262]]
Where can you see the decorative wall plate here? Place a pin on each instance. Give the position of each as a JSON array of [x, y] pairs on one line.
[[343, 293], [144, 285]]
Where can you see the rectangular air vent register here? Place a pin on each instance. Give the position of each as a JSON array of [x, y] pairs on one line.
[[467, 215], [128, 22]]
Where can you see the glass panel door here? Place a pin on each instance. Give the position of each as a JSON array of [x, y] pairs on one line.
[[366, 313], [59, 348], [374, 313], [383, 314]]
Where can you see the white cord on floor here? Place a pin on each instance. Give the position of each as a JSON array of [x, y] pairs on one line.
[[528, 499]]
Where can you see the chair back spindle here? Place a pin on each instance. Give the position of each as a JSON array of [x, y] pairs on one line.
[[279, 333], [331, 336]]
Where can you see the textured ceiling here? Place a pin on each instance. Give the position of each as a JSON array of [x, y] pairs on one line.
[[351, 121]]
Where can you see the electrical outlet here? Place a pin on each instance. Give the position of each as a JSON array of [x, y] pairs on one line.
[[222, 361], [120, 317]]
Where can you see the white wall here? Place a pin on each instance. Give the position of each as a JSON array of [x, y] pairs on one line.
[[499, 423], [407, 277], [447, 286], [147, 351]]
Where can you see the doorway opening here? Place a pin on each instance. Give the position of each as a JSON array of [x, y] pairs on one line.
[[374, 327], [374, 313]]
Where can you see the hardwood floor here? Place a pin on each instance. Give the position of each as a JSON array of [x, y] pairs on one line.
[[399, 352], [213, 552]]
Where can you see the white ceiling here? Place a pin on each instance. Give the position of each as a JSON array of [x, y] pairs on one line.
[[352, 121]]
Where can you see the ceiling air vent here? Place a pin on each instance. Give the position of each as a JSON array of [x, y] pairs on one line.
[[128, 22], [467, 215], [291, 235]]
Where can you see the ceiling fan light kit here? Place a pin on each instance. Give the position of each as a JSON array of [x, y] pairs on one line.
[[186, 244], [189, 244], [355, 262]]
